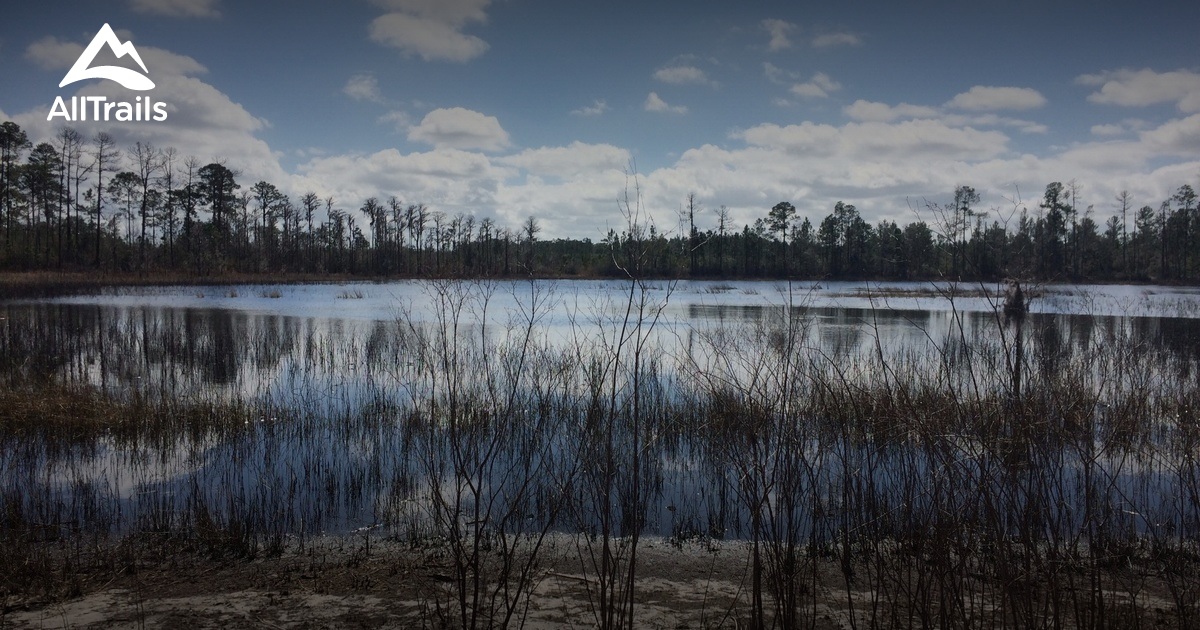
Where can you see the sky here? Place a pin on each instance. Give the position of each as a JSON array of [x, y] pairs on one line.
[[564, 110]]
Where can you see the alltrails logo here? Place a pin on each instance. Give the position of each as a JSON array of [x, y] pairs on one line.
[[101, 109]]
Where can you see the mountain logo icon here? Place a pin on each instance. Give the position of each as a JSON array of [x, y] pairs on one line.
[[131, 79]]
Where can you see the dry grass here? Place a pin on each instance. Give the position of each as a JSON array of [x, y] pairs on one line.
[[901, 493]]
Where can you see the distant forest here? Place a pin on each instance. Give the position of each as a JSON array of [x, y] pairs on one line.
[[87, 205]]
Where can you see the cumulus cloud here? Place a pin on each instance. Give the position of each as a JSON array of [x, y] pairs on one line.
[[449, 180], [1180, 137], [202, 121], [578, 199], [398, 119], [829, 40], [431, 29], [987, 98], [993, 120], [682, 75], [882, 157], [574, 160], [884, 167], [595, 109], [873, 140], [1107, 130], [51, 53], [655, 104], [778, 30], [460, 128], [449, 11], [1138, 88], [177, 8], [362, 87], [819, 86], [869, 111], [777, 75], [1123, 127]]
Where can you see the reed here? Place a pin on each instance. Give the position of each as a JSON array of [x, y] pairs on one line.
[[920, 488]]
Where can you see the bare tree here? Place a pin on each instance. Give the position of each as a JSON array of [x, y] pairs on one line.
[[168, 215], [530, 229], [149, 164], [1125, 203], [105, 159], [70, 144]]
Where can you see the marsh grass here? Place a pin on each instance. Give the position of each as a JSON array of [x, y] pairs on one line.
[[933, 490]]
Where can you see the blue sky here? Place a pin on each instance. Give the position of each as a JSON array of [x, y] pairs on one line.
[[515, 108]]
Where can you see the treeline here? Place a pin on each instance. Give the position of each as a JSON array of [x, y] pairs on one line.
[[84, 204]]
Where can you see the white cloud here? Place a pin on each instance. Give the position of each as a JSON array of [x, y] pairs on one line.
[[362, 87], [682, 75], [777, 75], [883, 157], [875, 140], [655, 104], [828, 40], [396, 118], [778, 30], [1107, 130], [430, 39], [459, 128], [818, 87], [992, 120], [595, 109], [449, 180], [1180, 137], [510, 188], [1139, 88], [1125, 126], [431, 29], [202, 121], [52, 53], [177, 8], [449, 11], [987, 98], [869, 111], [888, 170], [570, 161]]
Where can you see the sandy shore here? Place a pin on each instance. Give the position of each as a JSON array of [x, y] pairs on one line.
[[339, 583]]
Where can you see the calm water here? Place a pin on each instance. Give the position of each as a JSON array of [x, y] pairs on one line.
[[252, 341], [335, 352]]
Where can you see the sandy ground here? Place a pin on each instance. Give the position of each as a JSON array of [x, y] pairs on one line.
[[339, 583]]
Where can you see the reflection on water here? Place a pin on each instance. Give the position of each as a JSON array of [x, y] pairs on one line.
[[335, 449], [253, 353]]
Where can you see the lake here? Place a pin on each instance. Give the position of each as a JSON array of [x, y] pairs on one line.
[[352, 398]]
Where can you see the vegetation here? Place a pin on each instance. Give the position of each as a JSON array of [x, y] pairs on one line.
[[1005, 474], [996, 478], [83, 205]]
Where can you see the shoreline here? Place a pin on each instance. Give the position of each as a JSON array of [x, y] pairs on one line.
[[26, 284], [373, 581]]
